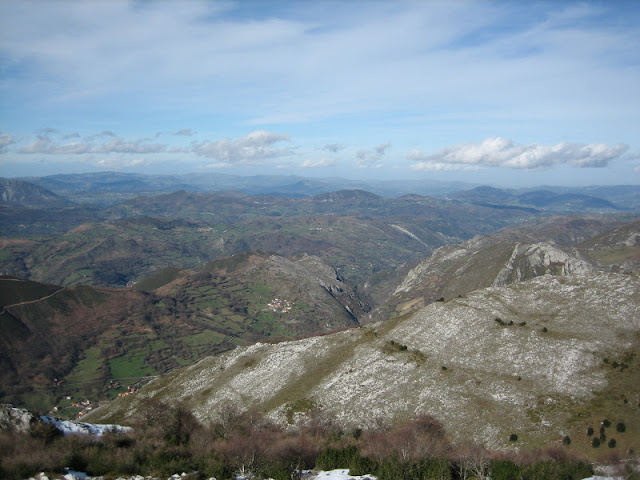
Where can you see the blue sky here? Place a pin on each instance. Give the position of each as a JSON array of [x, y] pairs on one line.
[[506, 93]]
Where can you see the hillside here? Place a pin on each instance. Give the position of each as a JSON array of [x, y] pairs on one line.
[[87, 341], [617, 250], [484, 261], [274, 295], [557, 353]]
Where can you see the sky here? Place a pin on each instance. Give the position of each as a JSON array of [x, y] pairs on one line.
[[506, 93]]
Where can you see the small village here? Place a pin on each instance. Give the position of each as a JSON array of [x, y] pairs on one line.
[[281, 306], [86, 405]]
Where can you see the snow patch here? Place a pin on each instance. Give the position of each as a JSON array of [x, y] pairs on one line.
[[69, 427]]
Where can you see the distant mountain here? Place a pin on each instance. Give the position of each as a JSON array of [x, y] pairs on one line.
[[532, 200], [627, 196], [534, 361], [347, 195], [18, 192], [568, 201], [111, 187]]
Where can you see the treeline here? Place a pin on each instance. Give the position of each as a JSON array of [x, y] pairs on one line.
[[167, 440]]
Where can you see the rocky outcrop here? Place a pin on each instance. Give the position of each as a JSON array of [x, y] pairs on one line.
[[15, 419], [530, 261], [455, 270]]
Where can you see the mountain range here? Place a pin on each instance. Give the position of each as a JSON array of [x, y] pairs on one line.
[[503, 313]]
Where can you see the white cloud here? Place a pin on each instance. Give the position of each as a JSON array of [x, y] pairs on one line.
[[5, 141], [323, 162], [371, 158], [179, 150], [118, 145], [185, 131], [249, 150], [441, 167], [333, 147], [501, 152], [122, 163], [44, 145]]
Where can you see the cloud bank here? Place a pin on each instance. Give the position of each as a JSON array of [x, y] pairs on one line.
[[251, 149], [44, 144], [502, 152]]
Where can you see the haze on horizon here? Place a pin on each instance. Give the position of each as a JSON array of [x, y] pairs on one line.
[[502, 93]]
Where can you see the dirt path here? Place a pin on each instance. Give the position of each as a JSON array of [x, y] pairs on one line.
[[30, 301]]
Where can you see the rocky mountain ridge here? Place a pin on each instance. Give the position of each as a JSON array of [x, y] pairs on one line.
[[540, 349], [509, 256]]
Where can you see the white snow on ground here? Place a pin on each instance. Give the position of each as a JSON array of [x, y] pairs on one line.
[[339, 475], [604, 478], [67, 427]]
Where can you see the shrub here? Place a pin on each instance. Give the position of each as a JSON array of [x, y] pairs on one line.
[[439, 468], [44, 431], [620, 427], [595, 443], [590, 431], [552, 470], [393, 469], [360, 465], [574, 470], [335, 457], [504, 470], [606, 423], [513, 437], [566, 440], [612, 443]]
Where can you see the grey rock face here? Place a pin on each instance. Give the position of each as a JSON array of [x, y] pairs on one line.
[[15, 419]]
